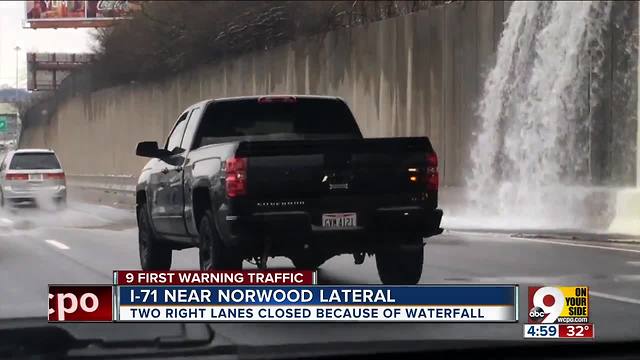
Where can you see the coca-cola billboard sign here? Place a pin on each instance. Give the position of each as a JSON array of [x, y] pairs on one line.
[[112, 9], [96, 13]]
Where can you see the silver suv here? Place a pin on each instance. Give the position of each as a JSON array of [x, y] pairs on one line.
[[31, 177]]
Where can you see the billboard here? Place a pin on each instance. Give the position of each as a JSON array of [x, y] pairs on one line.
[[77, 14], [46, 71]]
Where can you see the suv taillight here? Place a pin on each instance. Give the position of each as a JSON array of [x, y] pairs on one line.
[[433, 179], [54, 176], [236, 180], [15, 176]]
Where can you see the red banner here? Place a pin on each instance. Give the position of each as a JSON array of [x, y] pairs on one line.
[[80, 303]]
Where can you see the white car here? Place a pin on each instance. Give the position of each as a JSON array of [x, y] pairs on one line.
[[31, 176]]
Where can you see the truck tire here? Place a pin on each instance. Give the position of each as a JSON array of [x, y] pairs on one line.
[[214, 255], [307, 262], [400, 266], [153, 254]]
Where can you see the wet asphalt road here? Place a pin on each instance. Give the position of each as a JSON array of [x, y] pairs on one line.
[[85, 243]]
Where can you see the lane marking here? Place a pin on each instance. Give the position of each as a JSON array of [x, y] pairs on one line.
[[579, 245], [633, 263], [6, 220], [633, 277], [615, 297], [57, 244]]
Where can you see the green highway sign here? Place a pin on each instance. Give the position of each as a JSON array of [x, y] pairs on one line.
[[3, 124]]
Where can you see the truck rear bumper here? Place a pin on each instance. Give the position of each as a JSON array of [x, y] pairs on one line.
[[290, 232]]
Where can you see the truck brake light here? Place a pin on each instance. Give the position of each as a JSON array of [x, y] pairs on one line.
[[432, 176], [276, 99], [236, 180]]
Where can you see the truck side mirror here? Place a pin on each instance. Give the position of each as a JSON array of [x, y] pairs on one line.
[[150, 149]]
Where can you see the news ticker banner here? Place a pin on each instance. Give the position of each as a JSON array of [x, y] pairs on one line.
[[317, 303], [274, 296], [558, 312]]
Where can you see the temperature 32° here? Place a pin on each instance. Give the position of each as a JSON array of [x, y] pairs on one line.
[[577, 330]]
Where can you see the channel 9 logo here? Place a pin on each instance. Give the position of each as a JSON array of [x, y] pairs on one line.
[[80, 303], [558, 304]]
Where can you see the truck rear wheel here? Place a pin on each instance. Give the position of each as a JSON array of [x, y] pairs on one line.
[[309, 262], [153, 254], [400, 266], [214, 255]]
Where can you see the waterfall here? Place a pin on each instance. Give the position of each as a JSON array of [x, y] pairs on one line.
[[531, 156]]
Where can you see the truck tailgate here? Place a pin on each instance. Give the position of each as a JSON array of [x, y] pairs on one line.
[[327, 168]]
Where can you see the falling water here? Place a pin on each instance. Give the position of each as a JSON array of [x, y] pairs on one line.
[[531, 158]]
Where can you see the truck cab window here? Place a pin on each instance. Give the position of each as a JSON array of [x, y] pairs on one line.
[[304, 119], [175, 139], [187, 140]]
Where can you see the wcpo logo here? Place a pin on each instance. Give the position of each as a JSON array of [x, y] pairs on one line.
[[79, 303], [558, 304]]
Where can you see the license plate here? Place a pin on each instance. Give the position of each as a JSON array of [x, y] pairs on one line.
[[35, 177], [344, 220]]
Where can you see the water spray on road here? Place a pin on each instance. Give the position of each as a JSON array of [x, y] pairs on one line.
[[76, 215]]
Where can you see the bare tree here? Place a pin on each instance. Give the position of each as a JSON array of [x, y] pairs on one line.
[[166, 37]]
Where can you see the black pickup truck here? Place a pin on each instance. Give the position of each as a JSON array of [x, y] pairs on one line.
[[257, 177]]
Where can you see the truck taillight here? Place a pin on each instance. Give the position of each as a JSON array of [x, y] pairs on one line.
[[17, 176], [236, 180], [432, 178], [54, 176]]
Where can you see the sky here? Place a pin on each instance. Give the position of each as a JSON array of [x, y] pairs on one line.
[[12, 33]]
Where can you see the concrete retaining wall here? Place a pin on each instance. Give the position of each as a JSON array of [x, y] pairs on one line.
[[414, 75]]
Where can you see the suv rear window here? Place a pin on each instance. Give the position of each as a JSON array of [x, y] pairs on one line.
[[34, 161]]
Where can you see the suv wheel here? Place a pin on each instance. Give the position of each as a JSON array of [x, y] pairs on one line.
[[153, 254], [214, 255], [61, 204]]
